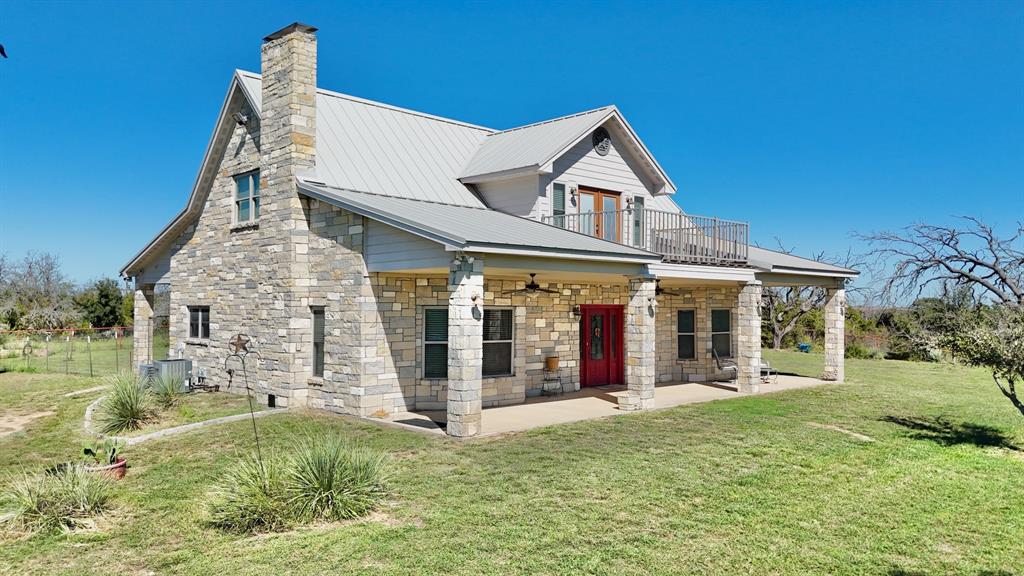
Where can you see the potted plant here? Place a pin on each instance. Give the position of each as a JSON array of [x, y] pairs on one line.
[[107, 458]]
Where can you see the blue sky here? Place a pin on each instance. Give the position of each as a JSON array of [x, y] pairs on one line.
[[809, 120]]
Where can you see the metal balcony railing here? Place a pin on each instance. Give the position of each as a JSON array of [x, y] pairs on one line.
[[682, 238]]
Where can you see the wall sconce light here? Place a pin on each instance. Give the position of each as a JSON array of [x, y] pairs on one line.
[[577, 311]]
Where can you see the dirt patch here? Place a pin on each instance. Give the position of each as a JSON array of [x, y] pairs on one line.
[[851, 433], [11, 423]]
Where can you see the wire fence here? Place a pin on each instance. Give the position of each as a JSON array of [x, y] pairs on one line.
[[81, 351]]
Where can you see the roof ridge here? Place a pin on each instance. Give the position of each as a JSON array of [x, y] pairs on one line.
[[391, 107], [553, 120], [326, 185]]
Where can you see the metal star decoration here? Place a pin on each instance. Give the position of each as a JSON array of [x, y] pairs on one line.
[[239, 344]]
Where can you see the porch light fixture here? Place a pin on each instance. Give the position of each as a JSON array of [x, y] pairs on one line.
[[577, 311]]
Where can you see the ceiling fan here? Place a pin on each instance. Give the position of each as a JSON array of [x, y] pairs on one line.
[[658, 290], [531, 288]]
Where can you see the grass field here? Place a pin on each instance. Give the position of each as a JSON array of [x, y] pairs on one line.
[[750, 485]]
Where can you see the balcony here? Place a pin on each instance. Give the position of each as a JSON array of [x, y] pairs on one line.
[[680, 238]]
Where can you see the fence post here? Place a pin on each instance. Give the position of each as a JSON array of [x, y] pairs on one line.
[[67, 353], [88, 348], [117, 344], [46, 353]]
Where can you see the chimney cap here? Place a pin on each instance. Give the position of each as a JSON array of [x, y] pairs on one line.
[[293, 27]]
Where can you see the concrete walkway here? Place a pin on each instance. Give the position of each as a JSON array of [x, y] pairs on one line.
[[597, 402]]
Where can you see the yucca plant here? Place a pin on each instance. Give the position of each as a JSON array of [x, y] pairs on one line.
[[127, 406], [248, 497], [330, 479], [63, 499], [166, 390]]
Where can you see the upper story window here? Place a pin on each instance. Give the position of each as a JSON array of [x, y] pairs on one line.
[[247, 197], [558, 204], [199, 322]]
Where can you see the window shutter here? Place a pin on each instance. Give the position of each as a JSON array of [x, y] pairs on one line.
[[436, 324], [558, 199]]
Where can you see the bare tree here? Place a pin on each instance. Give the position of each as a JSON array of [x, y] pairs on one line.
[[785, 306], [971, 254]]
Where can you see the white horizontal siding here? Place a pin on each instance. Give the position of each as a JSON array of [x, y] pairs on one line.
[[388, 249], [617, 171], [514, 196]]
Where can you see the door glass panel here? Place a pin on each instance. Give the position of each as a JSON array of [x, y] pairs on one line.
[[610, 226], [587, 217], [597, 337]]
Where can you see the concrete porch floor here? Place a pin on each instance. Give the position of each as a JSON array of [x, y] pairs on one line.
[[596, 402]]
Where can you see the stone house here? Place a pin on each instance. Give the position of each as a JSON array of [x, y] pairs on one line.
[[386, 260]]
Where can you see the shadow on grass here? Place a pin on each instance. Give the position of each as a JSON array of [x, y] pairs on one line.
[[901, 572], [944, 432]]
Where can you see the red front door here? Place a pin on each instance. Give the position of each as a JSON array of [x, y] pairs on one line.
[[602, 335]]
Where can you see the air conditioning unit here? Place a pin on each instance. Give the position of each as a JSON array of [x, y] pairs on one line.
[[147, 372], [178, 368]]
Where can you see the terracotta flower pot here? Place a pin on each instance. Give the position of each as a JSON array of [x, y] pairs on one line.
[[551, 363], [117, 470]]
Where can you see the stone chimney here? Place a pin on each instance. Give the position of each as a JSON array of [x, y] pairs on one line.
[[288, 114], [287, 149]]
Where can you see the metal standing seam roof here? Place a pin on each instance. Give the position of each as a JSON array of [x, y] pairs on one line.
[[532, 145], [366, 145], [772, 261], [472, 228]]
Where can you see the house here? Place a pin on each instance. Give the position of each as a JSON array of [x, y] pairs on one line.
[[384, 260]]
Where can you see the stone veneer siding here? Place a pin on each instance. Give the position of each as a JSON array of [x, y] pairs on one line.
[[702, 300], [835, 328]]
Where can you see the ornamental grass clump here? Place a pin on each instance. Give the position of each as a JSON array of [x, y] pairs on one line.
[[127, 406], [248, 497], [61, 500], [326, 479], [330, 479], [166, 390]]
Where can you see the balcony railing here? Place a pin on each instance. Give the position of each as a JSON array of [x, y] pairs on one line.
[[678, 237]]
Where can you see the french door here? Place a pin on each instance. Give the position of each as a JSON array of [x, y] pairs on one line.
[[601, 334], [604, 209]]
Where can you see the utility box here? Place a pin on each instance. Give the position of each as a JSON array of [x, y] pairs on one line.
[[180, 369]]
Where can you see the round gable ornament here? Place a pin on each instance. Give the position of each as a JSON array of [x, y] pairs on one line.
[[602, 141]]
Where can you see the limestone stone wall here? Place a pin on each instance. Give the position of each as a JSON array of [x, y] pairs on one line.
[[702, 300], [216, 264]]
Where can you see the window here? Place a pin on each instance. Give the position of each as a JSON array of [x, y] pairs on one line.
[[199, 322], [497, 342], [685, 335], [435, 343], [318, 341], [247, 197], [638, 221], [721, 332], [558, 204]]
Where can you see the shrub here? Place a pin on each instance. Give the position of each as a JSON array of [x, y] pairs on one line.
[[63, 499], [248, 498], [166, 390], [127, 405], [326, 479], [854, 350], [331, 480]]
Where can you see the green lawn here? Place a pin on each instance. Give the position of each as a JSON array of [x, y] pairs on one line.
[[744, 486]]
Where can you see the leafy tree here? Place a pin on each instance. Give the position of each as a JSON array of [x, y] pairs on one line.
[[128, 309], [101, 303], [993, 339]]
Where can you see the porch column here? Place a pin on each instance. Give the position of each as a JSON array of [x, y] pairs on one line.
[[640, 356], [748, 338], [465, 344], [835, 334], [142, 327]]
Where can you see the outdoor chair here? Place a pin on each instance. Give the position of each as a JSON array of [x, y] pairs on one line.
[[768, 375]]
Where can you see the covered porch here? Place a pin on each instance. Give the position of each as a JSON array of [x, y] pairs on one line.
[[593, 402]]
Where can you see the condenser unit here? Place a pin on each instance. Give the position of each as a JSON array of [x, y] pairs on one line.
[[180, 369]]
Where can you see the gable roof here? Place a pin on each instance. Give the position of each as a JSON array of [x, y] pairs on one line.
[[366, 145], [475, 229], [534, 148]]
